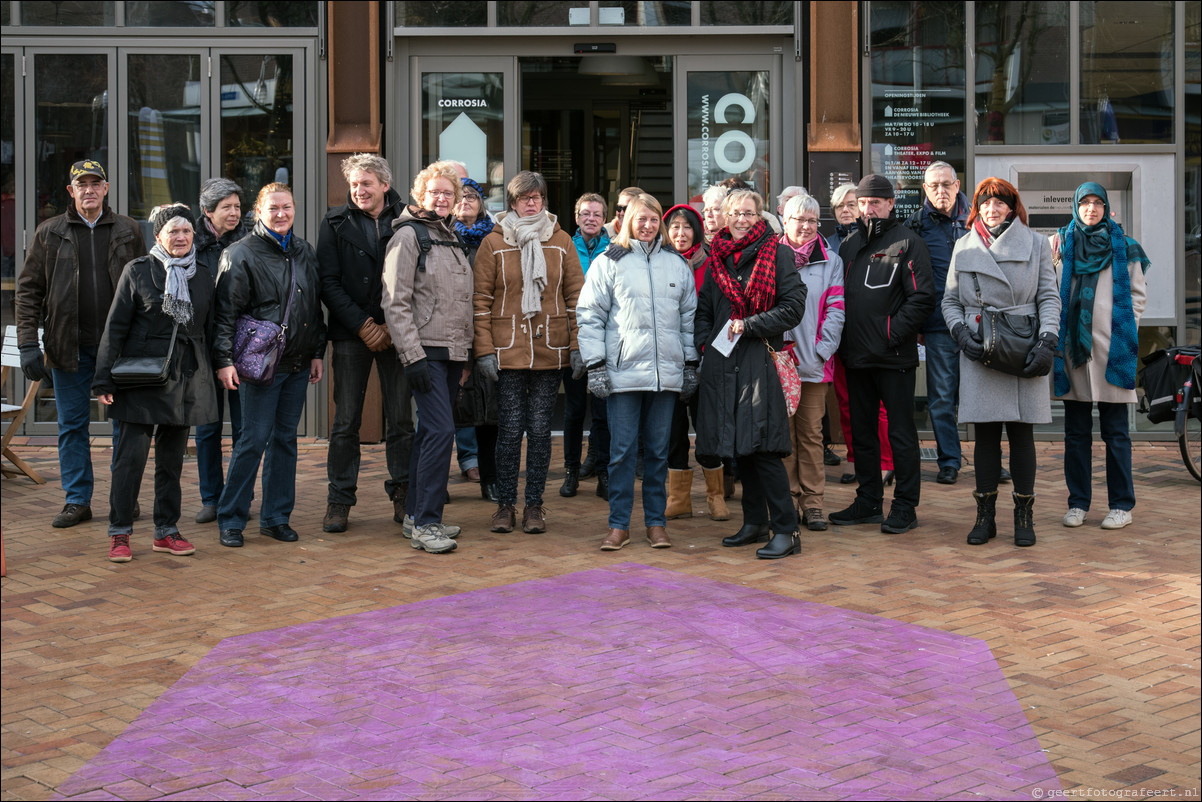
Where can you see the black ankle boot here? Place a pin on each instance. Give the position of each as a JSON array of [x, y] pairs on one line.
[[588, 468], [986, 527], [571, 481], [1024, 524], [781, 545], [603, 484], [748, 534]]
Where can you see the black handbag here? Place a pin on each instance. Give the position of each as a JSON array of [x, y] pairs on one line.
[[144, 371], [1007, 338]]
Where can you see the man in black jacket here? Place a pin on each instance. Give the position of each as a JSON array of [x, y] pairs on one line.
[[888, 292], [350, 255], [66, 286]]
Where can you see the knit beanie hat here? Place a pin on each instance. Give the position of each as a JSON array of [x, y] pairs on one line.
[[874, 186], [160, 216]]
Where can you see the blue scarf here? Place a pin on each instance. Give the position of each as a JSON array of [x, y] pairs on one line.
[[474, 234], [1084, 256]]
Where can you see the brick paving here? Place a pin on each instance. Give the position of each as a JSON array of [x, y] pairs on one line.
[[1096, 635]]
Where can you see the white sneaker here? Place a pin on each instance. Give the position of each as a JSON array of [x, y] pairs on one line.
[[1117, 519], [447, 529], [1074, 517], [431, 538]]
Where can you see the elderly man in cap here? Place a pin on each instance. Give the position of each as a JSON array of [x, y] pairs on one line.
[[66, 288], [888, 294]]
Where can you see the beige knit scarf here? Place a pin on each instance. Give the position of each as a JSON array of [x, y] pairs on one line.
[[528, 234]]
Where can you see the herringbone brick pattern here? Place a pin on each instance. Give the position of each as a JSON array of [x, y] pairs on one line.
[[1096, 633]]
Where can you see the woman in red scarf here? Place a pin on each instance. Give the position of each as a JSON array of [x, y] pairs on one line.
[[751, 296]]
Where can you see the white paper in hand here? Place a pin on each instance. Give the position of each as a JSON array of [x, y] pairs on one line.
[[723, 344]]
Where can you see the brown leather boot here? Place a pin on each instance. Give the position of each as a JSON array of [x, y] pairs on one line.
[[616, 539], [680, 489], [657, 536], [715, 495]]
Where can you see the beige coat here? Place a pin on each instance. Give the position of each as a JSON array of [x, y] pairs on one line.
[[1088, 381], [545, 341]]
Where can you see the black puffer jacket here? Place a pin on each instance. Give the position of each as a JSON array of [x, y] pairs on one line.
[[741, 408], [209, 246], [351, 265], [888, 294], [254, 280], [137, 326]]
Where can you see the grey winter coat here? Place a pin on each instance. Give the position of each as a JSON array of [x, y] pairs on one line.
[[1016, 275], [635, 314], [741, 407]]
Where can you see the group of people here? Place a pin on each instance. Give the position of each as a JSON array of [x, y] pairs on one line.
[[728, 318]]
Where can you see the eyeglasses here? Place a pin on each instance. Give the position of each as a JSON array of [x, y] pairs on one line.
[[533, 197], [942, 184], [441, 193], [591, 216], [1092, 204], [851, 204], [471, 196], [806, 222], [744, 215]]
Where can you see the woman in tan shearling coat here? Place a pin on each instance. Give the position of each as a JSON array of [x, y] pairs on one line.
[[527, 279]]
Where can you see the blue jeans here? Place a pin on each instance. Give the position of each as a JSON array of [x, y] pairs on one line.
[[73, 401], [430, 460], [631, 415], [270, 416], [943, 391], [1078, 454], [466, 448], [209, 464], [351, 367]]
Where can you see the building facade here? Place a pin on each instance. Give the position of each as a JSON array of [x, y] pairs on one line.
[[670, 96]]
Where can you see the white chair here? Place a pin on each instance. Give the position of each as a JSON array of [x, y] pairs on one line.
[[13, 414]]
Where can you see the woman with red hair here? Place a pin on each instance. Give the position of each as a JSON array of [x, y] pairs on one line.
[[1002, 264]]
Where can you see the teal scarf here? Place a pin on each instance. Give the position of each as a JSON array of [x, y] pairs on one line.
[[1086, 251]]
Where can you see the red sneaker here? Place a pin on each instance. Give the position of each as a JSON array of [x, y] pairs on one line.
[[119, 551], [174, 544]]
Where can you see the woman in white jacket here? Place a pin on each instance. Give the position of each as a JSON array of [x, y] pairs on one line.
[[635, 318]]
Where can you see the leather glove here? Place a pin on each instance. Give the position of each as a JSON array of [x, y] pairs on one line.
[[969, 345], [689, 387], [32, 363], [418, 375], [598, 381], [374, 336], [488, 367], [1042, 355], [578, 368]]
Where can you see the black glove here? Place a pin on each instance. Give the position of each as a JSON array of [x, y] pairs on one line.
[[578, 368], [689, 386], [32, 363], [1042, 355], [487, 367], [970, 346], [418, 375]]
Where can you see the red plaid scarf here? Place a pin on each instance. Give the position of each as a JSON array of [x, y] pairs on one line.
[[761, 288]]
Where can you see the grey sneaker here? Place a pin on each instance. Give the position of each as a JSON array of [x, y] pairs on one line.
[[449, 530], [431, 538]]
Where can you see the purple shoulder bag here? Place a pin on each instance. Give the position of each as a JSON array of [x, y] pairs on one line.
[[259, 344]]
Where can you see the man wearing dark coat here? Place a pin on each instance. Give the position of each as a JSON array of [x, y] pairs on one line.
[[350, 256], [888, 294], [66, 288]]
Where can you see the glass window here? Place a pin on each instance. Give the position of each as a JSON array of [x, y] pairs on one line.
[[270, 14], [256, 121], [746, 12], [164, 131], [69, 12], [6, 13], [442, 14], [71, 122], [639, 13], [1192, 178], [917, 70], [1127, 72], [170, 13], [534, 13], [463, 115], [1022, 73], [728, 116], [8, 192]]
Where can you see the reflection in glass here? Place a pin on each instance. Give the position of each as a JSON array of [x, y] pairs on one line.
[[164, 131], [442, 13], [463, 119], [69, 12], [526, 13], [639, 13], [170, 13], [728, 125], [8, 192], [1127, 72], [918, 80], [71, 122], [256, 121], [1192, 178], [746, 12], [270, 14], [1022, 73]]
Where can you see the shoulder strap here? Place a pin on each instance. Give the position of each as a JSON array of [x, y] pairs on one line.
[[425, 243]]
